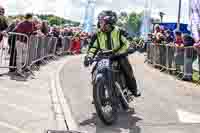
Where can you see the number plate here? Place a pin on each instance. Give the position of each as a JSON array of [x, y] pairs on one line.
[[104, 63]]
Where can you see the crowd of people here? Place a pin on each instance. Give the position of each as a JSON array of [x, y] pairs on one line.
[[179, 41], [31, 25], [161, 35]]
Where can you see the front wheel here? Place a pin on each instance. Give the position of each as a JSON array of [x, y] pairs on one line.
[[105, 102]]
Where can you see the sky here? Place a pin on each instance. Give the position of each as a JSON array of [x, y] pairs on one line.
[[74, 9]]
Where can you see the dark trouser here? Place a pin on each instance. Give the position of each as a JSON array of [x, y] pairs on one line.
[[13, 53], [128, 71]]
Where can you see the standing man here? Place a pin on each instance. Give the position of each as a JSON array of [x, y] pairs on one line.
[[3, 22], [25, 27]]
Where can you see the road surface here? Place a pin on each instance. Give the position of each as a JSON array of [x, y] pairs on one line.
[[166, 106]]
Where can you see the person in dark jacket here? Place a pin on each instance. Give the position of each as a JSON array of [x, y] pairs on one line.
[[3, 22], [10, 29], [188, 42], [45, 28], [27, 26], [168, 36]]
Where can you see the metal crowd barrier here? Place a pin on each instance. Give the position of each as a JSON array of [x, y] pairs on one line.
[[41, 48], [171, 58], [4, 56], [19, 52], [66, 45], [13, 51]]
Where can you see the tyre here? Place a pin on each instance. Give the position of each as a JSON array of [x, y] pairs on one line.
[[104, 97], [124, 104]]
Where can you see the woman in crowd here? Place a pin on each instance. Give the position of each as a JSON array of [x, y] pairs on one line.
[[168, 37], [178, 39], [179, 51], [76, 45], [45, 28]]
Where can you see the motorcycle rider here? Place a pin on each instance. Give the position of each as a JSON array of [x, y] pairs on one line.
[[109, 37]]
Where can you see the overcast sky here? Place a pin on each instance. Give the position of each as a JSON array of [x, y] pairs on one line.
[[74, 9]]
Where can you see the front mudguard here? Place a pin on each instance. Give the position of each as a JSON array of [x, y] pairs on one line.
[[97, 77]]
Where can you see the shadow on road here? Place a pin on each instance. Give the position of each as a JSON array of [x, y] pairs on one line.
[[127, 122]]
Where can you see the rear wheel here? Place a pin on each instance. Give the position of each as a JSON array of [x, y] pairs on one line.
[[105, 102]]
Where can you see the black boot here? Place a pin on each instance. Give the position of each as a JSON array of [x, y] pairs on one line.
[[135, 93]]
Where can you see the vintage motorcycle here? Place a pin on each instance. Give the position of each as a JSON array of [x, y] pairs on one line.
[[110, 91]]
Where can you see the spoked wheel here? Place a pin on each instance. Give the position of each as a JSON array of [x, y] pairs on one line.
[[105, 102]]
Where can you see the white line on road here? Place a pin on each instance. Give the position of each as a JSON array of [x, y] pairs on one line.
[[60, 104], [188, 117], [4, 124], [71, 123]]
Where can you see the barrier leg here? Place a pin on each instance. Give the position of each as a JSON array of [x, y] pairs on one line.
[[19, 46]]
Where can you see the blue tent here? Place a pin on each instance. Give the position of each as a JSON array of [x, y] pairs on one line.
[[173, 26]]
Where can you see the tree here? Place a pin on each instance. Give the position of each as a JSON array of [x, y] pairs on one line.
[[134, 21], [122, 20], [130, 22], [52, 19]]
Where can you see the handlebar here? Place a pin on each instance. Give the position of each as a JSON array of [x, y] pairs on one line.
[[111, 55]]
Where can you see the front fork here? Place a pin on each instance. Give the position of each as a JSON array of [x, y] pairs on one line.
[[114, 91]]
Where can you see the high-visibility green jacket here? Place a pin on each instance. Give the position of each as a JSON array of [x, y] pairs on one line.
[[119, 43]]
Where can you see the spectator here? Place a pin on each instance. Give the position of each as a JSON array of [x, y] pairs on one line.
[[76, 45], [26, 27], [179, 51], [159, 37], [45, 28], [178, 38], [39, 27], [13, 25], [56, 33], [36, 20], [162, 30], [3, 22], [168, 36], [188, 41], [156, 29], [10, 29]]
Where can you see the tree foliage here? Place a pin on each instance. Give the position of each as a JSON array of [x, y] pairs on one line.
[[134, 21], [130, 22], [52, 19]]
